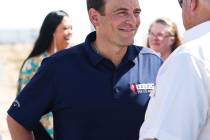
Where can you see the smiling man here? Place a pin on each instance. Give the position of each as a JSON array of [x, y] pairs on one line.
[[97, 90]]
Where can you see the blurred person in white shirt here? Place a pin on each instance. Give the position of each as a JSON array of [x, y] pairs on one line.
[[179, 108]]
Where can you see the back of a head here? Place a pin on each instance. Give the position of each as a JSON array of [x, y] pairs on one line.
[[195, 12], [49, 25], [206, 5], [202, 10]]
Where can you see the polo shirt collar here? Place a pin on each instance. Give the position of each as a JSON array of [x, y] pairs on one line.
[[95, 58], [131, 53]]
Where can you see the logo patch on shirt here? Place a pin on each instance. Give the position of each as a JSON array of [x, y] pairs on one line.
[[16, 103], [142, 88]]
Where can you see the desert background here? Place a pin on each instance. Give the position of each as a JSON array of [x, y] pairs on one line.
[[11, 58]]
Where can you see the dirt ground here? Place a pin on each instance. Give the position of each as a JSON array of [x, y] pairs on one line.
[[11, 58]]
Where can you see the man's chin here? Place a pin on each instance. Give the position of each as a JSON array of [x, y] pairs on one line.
[[130, 42]]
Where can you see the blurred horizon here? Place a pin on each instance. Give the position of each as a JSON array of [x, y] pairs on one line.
[[12, 36]]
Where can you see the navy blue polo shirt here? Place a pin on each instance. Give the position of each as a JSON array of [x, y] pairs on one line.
[[89, 97]]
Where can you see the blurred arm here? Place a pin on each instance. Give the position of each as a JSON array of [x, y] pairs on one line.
[[17, 131]]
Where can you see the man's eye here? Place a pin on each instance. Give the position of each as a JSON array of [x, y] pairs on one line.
[[122, 13], [137, 14]]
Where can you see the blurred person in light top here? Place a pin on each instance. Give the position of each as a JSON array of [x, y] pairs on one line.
[[163, 37]]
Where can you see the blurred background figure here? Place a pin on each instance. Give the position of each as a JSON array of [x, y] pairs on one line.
[[1, 70], [55, 35], [163, 37]]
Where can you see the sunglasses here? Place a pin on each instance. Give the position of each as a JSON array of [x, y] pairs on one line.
[[180, 2]]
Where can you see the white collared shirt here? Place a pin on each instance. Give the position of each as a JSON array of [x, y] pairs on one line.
[[180, 107]]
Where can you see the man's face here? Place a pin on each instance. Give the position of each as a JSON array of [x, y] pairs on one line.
[[120, 22]]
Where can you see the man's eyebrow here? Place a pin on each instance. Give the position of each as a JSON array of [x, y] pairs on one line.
[[125, 9]]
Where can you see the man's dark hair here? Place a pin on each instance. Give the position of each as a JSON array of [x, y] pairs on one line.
[[98, 5], [45, 38]]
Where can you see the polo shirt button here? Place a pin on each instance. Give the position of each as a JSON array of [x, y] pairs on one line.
[[116, 92]]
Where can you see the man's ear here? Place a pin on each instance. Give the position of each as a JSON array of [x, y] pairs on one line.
[[93, 16], [194, 4]]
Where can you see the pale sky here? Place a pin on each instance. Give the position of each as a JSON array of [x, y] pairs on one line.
[[24, 14]]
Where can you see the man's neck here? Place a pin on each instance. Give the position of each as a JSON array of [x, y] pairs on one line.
[[110, 51]]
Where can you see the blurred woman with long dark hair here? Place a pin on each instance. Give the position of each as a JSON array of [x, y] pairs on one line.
[[55, 35]]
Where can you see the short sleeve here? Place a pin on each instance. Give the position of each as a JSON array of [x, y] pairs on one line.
[[36, 98]]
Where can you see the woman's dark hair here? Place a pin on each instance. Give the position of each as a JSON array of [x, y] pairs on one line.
[[45, 38], [97, 5], [49, 25]]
